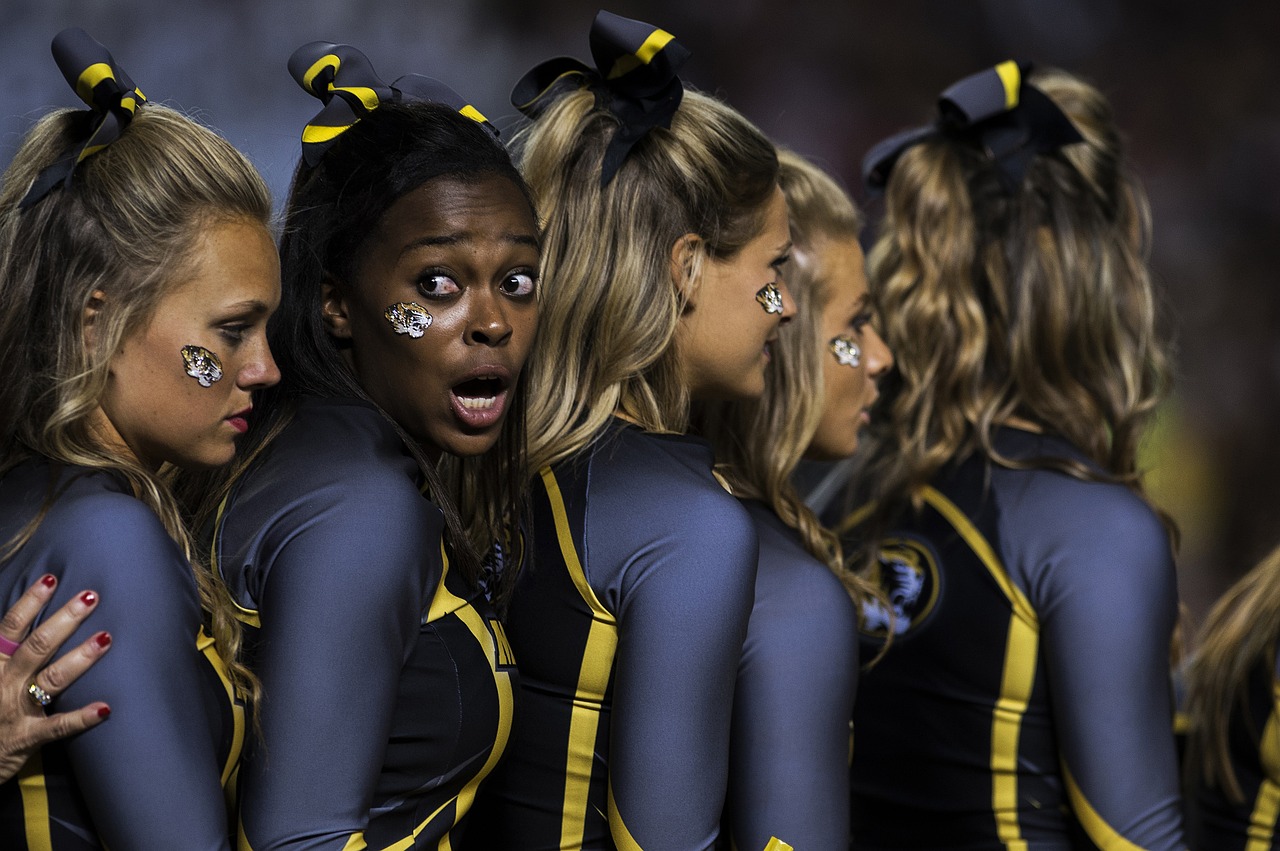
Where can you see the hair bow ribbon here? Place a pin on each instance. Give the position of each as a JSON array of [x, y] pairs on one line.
[[343, 79], [635, 78], [108, 91], [999, 111]]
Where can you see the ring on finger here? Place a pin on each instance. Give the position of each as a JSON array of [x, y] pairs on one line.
[[8, 647], [39, 695]]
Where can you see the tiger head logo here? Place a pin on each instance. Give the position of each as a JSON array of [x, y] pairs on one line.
[[408, 317], [201, 364]]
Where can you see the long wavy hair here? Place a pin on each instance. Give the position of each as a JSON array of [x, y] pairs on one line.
[[333, 209], [127, 226], [1240, 633], [613, 303], [759, 442], [1035, 304]]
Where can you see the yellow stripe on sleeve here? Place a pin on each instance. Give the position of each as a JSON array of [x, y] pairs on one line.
[[1266, 807], [35, 803], [1102, 834]]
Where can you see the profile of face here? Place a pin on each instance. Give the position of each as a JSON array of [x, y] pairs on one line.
[[442, 310], [853, 356], [179, 388], [735, 311]]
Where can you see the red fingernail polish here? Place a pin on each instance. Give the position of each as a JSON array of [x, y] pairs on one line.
[[48, 580], [104, 711], [103, 639], [88, 598]]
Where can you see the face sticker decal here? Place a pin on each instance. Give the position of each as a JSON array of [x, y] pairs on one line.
[[846, 351], [770, 298], [408, 317], [201, 364]]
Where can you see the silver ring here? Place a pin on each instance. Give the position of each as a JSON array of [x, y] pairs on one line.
[[39, 695]]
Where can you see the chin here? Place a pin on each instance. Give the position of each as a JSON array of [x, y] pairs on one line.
[[463, 445]]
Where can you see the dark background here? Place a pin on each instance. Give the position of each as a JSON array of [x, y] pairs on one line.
[[1193, 83]]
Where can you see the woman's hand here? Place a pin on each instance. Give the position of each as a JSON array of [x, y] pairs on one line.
[[24, 726]]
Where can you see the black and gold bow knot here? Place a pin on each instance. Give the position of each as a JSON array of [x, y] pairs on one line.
[[1006, 117], [343, 79], [635, 78], [111, 95]]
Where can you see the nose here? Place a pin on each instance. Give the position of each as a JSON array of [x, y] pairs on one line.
[[487, 322], [261, 370], [788, 303], [879, 355]]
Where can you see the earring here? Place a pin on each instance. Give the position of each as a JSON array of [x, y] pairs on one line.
[[770, 298], [846, 351], [201, 364], [408, 317]]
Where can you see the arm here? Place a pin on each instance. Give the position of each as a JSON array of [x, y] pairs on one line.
[[1107, 624], [790, 741], [340, 609], [24, 726], [682, 611], [151, 775]]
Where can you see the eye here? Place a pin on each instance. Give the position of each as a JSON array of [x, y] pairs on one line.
[[437, 285], [519, 283], [234, 333], [779, 262]]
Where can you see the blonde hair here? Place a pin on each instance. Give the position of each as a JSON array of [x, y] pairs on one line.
[[611, 306], [1239, 634], [1034, 304], [127, 227], [758, 443]]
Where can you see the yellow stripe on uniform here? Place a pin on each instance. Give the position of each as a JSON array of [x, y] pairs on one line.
[[1266, 807], [35, 804], [618, 832], [643, 56], [90, 78], [1016, 680], [593, 680], [1011, 76], [1102, 834], [245, 616], [205, 644], [776, 844]]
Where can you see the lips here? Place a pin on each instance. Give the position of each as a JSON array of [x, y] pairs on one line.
[[479, 399], [240, 420]]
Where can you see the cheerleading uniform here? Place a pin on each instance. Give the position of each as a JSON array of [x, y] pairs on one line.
[[1217, 823], [153, 775], [789, 747], [387, 684], [628, 622], [1025, 702]]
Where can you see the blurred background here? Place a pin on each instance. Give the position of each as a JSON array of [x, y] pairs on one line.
[[1195, 85]]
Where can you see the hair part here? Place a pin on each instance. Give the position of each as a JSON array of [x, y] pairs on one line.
[[611, 311], [126, 228]]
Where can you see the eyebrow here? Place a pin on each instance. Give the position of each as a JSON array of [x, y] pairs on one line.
[[459, 238], [252, 305]]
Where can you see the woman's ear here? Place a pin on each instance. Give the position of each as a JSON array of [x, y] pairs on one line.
[[92, 309], [685, 256], [333, 307]]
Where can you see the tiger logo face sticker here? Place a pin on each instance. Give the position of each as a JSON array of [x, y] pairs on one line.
[[408, 317], [201, 364], [770, 298]]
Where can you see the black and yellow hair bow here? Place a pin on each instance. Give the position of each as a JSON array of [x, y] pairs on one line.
[[635, 78], [110, 93], [344, 80], [999, 111]]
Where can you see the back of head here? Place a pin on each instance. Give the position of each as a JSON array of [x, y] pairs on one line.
[[1034, 302], [612, 301], [125, 226]]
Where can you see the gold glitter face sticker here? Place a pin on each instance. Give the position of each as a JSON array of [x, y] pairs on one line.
[[846, 351], [770, 298], [201, 364], [408, 317]]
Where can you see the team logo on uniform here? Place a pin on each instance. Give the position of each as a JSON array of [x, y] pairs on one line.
[[907, 574]]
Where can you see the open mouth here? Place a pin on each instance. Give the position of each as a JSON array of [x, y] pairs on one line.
[[479, 402]]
